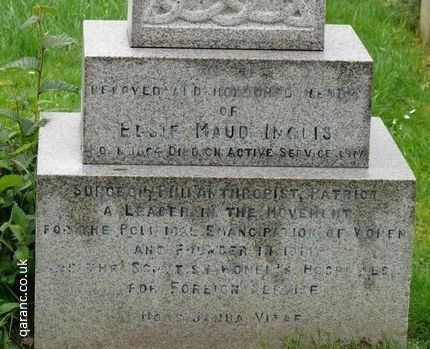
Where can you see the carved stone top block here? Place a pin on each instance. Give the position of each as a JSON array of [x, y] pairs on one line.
[[296, 13], [240, 24]]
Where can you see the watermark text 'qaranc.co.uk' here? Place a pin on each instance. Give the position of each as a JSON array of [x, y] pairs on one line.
[[24, 329]]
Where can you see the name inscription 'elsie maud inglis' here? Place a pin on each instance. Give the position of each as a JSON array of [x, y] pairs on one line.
[[222, 107]]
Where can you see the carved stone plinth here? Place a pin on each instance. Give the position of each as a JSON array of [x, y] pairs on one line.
[[246, 24]]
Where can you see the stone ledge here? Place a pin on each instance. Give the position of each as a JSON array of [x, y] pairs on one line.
[[59, 141]]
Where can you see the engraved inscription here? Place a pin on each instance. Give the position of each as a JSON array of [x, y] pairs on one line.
[[235, 126], [293, 13], [235, 254], [234, 113]]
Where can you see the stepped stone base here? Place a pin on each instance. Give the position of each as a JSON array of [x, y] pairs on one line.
[[219, 257], [225, 107]]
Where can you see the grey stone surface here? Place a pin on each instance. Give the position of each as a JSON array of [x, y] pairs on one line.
[[225, 107], [245, 24], [223, 257], [425, 21]]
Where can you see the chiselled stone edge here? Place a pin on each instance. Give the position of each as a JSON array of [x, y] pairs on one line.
[[60, 153], [213, 39], [108, 39]]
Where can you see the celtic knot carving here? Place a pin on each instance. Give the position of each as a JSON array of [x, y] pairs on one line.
[[295, 13]]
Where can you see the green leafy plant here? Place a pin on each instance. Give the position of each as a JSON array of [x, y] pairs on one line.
[[20, 119]]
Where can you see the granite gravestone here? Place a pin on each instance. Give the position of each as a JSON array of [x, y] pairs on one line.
[[151, 256], [215, 257], [224, 107], [245, 24]]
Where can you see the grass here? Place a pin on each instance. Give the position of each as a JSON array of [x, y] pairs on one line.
[[296, 344], [64, 64], [401, 96]]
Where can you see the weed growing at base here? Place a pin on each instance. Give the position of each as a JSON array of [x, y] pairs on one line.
[[24, 88]]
